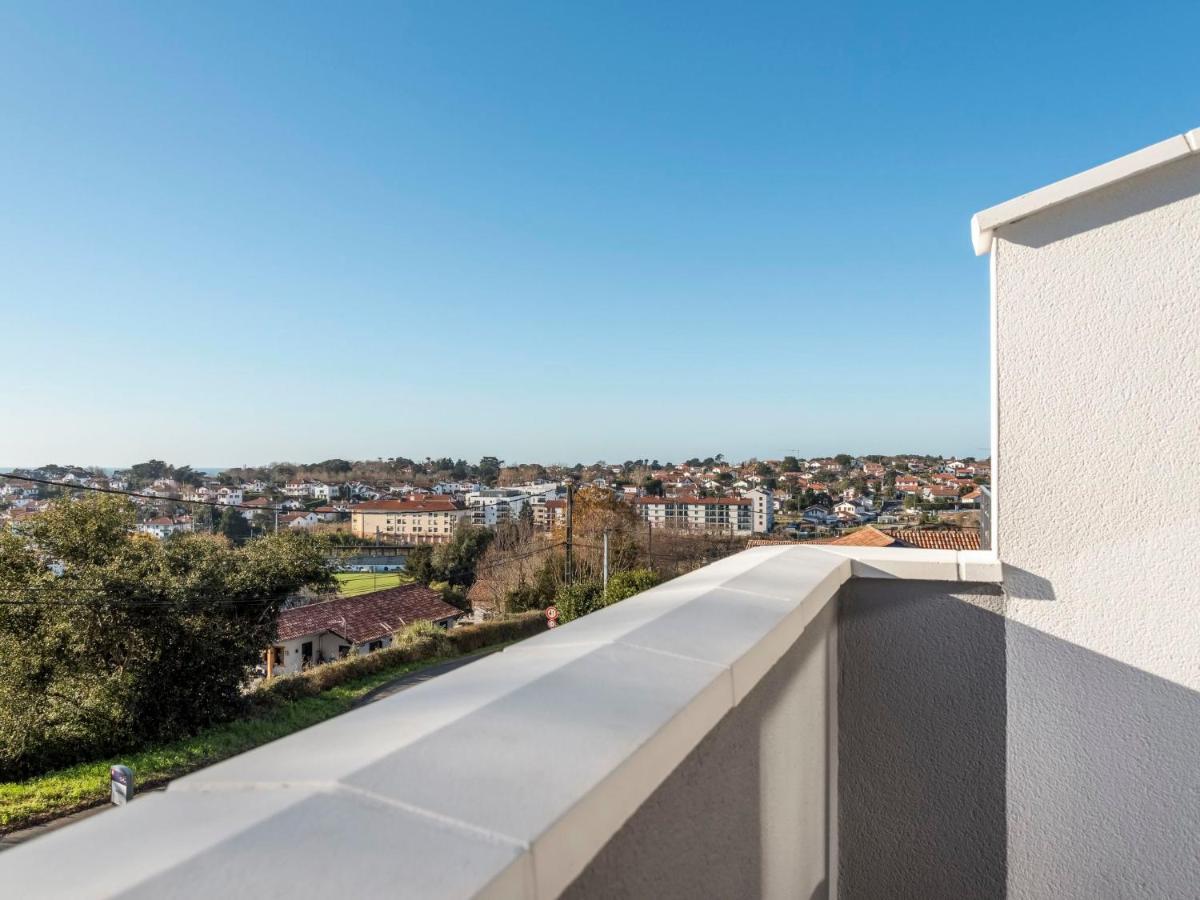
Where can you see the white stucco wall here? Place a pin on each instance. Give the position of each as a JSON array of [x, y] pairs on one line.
[[325, 644], [1098, 375]]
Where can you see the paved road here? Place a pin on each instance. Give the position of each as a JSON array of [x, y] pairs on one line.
[[404, 682], [387, 689]]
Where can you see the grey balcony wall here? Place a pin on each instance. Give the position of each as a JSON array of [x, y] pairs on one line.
[[921, 763], [1098, 361], [746, 813]]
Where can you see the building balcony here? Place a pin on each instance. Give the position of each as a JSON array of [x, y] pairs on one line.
[[765, 726]]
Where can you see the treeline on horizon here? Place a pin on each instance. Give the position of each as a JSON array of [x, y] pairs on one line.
[[489, 470]]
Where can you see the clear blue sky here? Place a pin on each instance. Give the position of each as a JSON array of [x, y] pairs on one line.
[[237, 233]]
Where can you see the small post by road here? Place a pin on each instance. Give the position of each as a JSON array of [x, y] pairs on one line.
[[120, 784]]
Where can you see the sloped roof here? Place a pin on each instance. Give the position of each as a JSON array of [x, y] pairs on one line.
[[936, 539], [984, 223], [870, 536], [366, 616]]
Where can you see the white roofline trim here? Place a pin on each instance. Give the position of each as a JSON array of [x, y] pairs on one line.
[[984, 224]]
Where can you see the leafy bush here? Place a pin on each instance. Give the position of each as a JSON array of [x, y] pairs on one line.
[[632, 581], [430, 637], [579, 599], [136, 640], [588, 594]]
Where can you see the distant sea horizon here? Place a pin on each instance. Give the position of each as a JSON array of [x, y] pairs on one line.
[[108, 470]]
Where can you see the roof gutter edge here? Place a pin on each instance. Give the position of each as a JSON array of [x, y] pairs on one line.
[[984, 223]]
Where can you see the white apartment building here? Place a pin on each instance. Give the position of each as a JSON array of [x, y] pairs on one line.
[[764, 509], [491, 506], [728, 515]]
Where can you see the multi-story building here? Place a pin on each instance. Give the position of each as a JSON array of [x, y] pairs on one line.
[[431, 520], [230, 496], [549, 513], [730, 515], [491, 506], [763, 521]]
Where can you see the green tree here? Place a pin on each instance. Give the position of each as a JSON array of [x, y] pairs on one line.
[[419, 563], [234, 526], [489, 469], [455, 561], [135, 640]]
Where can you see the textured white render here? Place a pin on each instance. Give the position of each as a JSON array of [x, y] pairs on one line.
[[1098, 366]]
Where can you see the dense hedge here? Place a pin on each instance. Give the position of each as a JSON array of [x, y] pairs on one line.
[[420, 642]]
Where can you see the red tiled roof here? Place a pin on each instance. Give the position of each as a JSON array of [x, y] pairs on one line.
[[870, 536], [367, 616], [930, 539], [938, 490], [428, 504]]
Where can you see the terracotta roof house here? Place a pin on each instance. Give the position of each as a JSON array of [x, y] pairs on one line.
[[321, 632], [870, 536]]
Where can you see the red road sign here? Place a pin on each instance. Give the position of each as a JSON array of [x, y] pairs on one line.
[[552, 613]]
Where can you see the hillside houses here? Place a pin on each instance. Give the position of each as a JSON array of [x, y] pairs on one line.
[[161, 527]]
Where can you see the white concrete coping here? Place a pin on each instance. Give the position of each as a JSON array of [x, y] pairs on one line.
[[500, 779], [984, 224]]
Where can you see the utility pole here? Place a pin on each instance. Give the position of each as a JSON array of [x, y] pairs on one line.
[[650, 543], [570, 513], [605, 569], [277, 518]]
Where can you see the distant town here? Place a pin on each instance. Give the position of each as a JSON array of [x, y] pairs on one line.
[[407, 502]]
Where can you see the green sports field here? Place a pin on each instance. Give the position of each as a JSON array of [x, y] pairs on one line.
[[353, 583]]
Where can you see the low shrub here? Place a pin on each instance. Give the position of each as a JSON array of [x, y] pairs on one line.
[[625, 584], [420, 641], [578, 599]]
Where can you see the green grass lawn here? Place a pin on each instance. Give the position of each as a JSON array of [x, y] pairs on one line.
[[55, 794], [351, 584]]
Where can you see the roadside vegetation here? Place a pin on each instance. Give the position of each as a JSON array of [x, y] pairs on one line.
[[276, 709]]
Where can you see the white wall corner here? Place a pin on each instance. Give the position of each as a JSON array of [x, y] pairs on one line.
[[981, 238]]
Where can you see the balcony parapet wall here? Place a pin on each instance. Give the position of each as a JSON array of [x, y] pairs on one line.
[[501, 779]]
